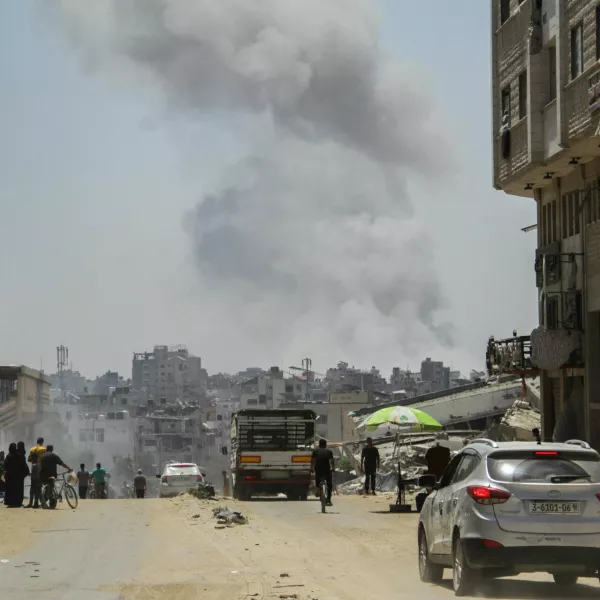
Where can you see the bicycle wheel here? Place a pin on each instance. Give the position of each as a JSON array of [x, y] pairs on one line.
[[50, 496], [323, 498], [71, 496]]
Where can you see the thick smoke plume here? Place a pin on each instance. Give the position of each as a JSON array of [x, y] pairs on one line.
[[310, 242]]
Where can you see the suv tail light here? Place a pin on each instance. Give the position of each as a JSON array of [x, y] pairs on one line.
[[165, 479], [598, 495], [199, 477], [487, 495]]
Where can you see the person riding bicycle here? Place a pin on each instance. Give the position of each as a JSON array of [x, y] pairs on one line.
[[323, 466], [48, 468], [99, 475]]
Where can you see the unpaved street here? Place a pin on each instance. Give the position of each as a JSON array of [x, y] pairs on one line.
[[170, 549]]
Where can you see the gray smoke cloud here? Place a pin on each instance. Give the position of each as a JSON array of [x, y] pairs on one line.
[[311, 242]]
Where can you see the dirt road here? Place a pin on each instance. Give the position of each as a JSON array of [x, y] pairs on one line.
[[171, 550]]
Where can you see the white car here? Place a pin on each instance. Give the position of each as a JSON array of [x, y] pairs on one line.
[[504, 508], [178, 478]]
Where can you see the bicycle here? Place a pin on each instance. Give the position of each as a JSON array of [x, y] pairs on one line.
[[53, 492], [323, 494]]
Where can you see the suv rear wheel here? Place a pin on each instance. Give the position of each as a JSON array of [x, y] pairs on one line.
[[428, 570], [463, 577], [565, 579]]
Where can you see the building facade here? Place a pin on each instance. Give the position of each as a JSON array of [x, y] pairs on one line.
[[272, 390], [24, 402], [546, 147], [169, 374]]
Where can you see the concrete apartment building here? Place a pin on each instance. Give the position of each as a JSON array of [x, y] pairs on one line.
[[24, 402], [169, 374], [546, 148], [272, 390]]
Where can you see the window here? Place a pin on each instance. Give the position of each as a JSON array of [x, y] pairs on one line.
[[551, 73], [504, 10], [554, 223], [219, 417], [506, 102], [523, 467], [563, 216], [100, 435], [450, 470], [575, 213], [576, 51], [523, 95], [598, 32], [467, 465]]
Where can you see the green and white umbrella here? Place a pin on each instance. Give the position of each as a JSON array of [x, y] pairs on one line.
[[402, 418]]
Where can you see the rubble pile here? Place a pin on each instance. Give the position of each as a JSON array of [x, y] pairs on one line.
[[408, 454], [516, 424], [228, 518]]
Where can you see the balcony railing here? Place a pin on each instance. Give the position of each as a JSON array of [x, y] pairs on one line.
[[511, 355]]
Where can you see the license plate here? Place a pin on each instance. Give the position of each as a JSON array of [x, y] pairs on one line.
[[543, 507]]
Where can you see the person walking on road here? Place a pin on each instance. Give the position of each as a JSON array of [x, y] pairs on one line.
[[323, 466], [140, 484], [15, 471], [369, 462], [84, 481], [99, 475]]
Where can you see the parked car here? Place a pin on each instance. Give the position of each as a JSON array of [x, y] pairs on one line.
[[504, 508], [178, 478]]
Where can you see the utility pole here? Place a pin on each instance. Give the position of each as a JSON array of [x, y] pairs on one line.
[[62, 361], [307, 366]]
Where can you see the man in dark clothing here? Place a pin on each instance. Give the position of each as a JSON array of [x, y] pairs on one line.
[[369, 462], [50, 464], [139, 483], [84, 481], [437, 459], [323, 467]]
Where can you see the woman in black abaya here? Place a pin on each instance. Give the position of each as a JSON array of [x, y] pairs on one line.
[[16, 469]]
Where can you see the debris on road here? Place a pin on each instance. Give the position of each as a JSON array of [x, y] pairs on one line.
[[228, 517]]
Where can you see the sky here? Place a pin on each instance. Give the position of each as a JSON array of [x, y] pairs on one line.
[[137, 210]]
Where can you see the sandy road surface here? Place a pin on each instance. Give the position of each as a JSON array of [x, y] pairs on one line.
[[170, 549]]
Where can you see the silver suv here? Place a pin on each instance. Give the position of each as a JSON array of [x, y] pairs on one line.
[[504, 508]]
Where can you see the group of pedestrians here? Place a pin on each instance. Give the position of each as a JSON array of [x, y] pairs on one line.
[[96, 480], [14, 469]]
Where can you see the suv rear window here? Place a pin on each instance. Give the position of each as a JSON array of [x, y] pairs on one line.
[[527, 467], [182, 470]]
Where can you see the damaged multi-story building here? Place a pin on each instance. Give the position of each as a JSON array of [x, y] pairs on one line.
[[546, 149], [169, 374]]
